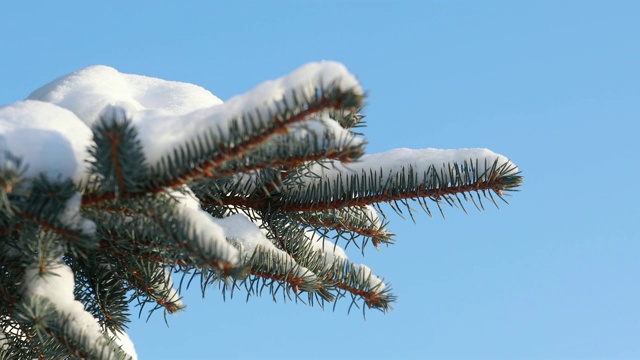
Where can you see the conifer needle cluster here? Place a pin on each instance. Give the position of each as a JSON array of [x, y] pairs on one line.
[[107, 192]]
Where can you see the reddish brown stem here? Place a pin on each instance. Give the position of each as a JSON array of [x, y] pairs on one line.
[[49, 226], [368, 232], [295, 282], [494, 184], [226, 154], [95, 198], [371, 298], [115, 143], [291, 162]]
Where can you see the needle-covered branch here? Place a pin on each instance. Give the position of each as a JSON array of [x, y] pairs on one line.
[[349, 223], [111, 184], [49, 311], [398, 175]]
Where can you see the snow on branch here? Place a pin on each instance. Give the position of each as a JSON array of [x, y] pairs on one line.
[[345, 277], [50, 307], [48, 139], [248, 121], [349, 223], [209, 239], [118, 157], [402, 174], [108, 175], [264, 260], [308, 141], [169, 115]]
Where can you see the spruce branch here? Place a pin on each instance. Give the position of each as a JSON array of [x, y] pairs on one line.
[[338, 276], [165, 231], [287, 153], [118, 157], [45, 204], [348, 118], [247, 132], [12, 182], [51, 326], [253, 194], [18, 341], [349, 223], [49, 308], [152, 284], [99, 286], [446, 183], [360, 283], [276, 270]]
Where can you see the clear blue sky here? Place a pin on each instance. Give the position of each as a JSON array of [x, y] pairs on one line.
[[554, 85]]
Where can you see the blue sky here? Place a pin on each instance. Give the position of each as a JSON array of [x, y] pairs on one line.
[[554, 85]]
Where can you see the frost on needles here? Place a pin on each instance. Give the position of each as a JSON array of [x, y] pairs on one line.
[[111, 184]]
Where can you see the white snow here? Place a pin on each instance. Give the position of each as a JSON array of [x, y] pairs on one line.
[[56, 285], [212, 235], [365, 274], [304, 79], [48, 138], [323, 127], [422, 159], [51, 130], [395, 161], [71, 216], [249, 238], [241, 231], [333, 252], [14, 331], [173, 295], [123, 340], [367, 213], [168, 113], [88, 91]]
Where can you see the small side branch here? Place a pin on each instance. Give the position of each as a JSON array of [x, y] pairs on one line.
[[376, 234], [114, 138], [278, 125], [293, 281], [49, 226], [372, 298], [494, 183]]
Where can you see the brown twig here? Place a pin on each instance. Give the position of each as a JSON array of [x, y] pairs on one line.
[[372, 233], [115, 143], [279, 126], [493, 184]]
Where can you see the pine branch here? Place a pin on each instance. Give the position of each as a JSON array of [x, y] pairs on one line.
[[49, 324], [150, 280], [49, 308], [164, 231], [100, 287], [244, 194], [338, 275], [289, 159], [247, 132], [278, 270], [371, 187], [118, 157], [349, 223]]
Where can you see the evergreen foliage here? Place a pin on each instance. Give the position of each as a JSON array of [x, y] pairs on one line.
[[249, 204]]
